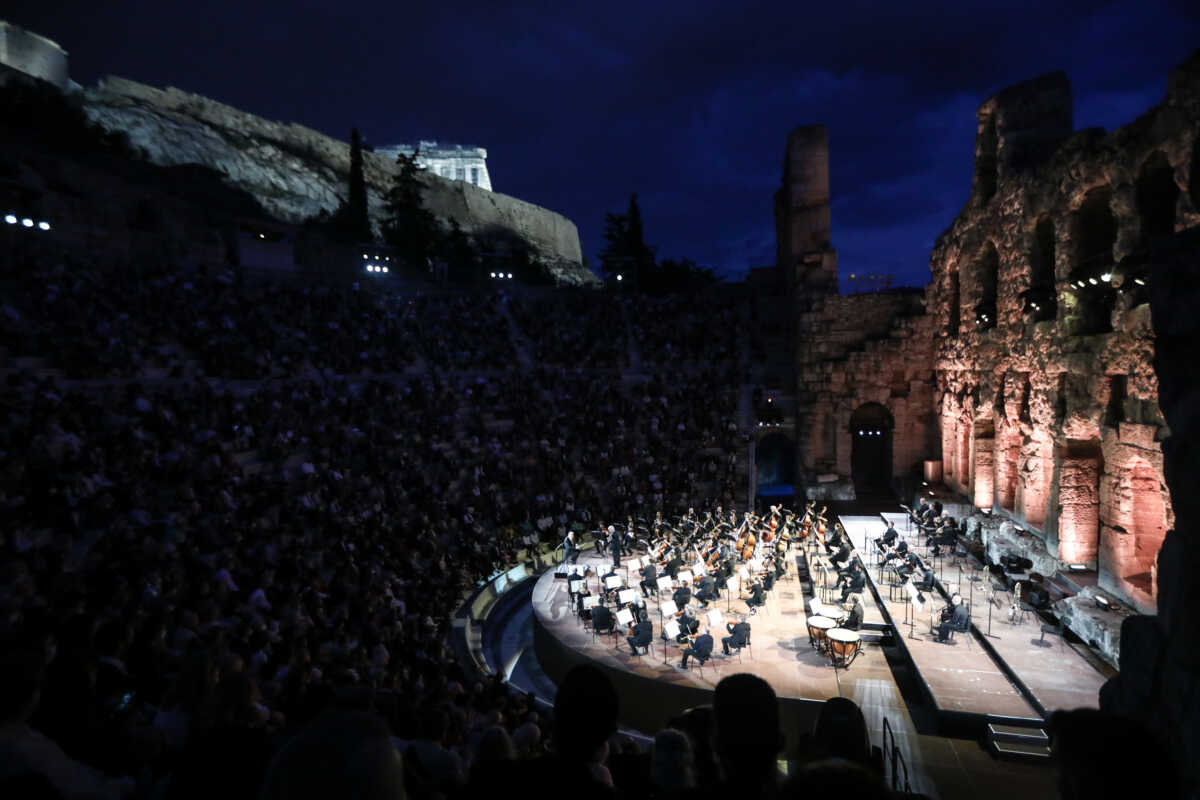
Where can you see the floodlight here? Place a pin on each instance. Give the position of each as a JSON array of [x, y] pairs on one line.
[[385, 269], [44, 225], [27, 222], [262, 236], [493, 274], [1093, 282], [10, 219], [1106, 276], [364, 255], [620, 277], [1139, 281], [510, 276]]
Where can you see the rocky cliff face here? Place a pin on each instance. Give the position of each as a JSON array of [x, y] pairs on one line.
[[296, 172]]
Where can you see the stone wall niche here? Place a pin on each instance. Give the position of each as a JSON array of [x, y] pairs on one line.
[[1134, 524], [1094, 232], [985, 466], [1157, 193], [1079, 502]]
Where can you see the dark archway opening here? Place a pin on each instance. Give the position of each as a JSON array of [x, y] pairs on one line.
[[1157, 194], [1194, 176], [1091, 273], [1041, 299], [775, 466], [871, 454], [987, 272], [986, 162]]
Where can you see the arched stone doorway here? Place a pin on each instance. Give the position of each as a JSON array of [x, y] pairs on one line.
[[871, 451], [775, 466]]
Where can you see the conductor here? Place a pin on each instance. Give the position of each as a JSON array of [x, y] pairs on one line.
[[614, 546]]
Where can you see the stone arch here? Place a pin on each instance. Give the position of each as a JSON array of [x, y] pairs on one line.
[[775, 460], [871, 427], [1041, 298], [987, 277], [965, 427], [985, 466], [1157, 194], [987, 161], [1094, 232], [1007, 459]]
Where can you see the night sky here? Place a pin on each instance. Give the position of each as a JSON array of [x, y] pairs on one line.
[[687, 104]]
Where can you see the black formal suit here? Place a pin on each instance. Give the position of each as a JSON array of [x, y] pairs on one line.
[[673, 567], [854, 620], [707, 590], [687, 626], [643, 633], [701, 650], [959, 621], [616, 549], [682, 596], [855, 584], [602, 619], [739, 634], [889, 537], [649, 576], [757, 597]]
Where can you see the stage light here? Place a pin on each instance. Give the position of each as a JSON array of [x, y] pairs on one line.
[[364, 256], [1139, 281], [1106, 277], [385, 269], [27, 222], [620, 277], [510, 276], [493, 274], [44, 225], [1077, 567], [10, 219], [1102, 601], [262, 236], [1093, 282], [387, 258]]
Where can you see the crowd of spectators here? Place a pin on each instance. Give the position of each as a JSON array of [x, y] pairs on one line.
[[702, 328], [572, 327]]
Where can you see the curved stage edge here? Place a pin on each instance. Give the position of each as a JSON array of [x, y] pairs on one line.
[[648, 704]]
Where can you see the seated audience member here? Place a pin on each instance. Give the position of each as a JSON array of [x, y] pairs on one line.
[[747, 738], [339, 754], [1093, 749], [672, 773], [586, 708], [835, 778]]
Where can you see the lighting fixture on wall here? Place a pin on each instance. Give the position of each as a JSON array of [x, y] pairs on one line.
[[1102, 601], [1077, 567]]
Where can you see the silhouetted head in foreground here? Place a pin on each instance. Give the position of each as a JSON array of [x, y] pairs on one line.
[[341, 754], [746, 734], [1101, 755], [585, 711]]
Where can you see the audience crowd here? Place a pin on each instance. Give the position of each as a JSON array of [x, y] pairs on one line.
[[230, 554]]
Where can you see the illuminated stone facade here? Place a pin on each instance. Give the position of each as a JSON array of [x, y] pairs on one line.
[[1029, 371], [454, 162]]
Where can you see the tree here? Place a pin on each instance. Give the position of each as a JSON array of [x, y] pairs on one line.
[[410, 228], [625, 250]]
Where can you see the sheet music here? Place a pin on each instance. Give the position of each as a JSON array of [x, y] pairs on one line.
[[668, 608]]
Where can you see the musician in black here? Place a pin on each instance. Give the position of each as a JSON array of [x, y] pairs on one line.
[[643, 633], [854, 619], [706, 590], [687, 626], [954, 618], [701, 649], [605, 592], [758, 597], [602, 619], [923, 578], [570, 549], [854, 583], [739, 635], [674, 564], [912, 563], [614, 546], [682, 595], [780, 565], [649, 580], [888, 539], [898, 554]]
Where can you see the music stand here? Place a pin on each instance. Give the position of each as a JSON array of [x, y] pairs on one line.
[[915, 601], [670, 631], [685, 575], [627, 596], [666, 609], [624, 617], [664, 583], [632, 565], [715, 619], [574, 585], [590, 602], [729, 590], [699, 567]]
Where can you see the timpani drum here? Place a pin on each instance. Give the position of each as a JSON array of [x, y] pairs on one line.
[[817, 626], [844, 646]]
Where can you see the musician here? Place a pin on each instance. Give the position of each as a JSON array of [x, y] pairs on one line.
[[682, 595], [584, 613], [843, 554], [854, 619], [614, 546], [888, 539], [855, 583], [706, 590], [923, 579], [570, 549], [912, 563], [954, 618], [945, 535], [649, 582], [739, 635], [687, 626], [602, 619], [700, 648], [780, 565], [605, 592], [768, 580], [674, 564], [640, 636], [899, 553], [758, 597]]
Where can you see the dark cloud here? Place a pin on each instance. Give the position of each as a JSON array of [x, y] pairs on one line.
[[688, 104]]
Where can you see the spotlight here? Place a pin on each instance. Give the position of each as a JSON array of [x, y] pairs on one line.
[[510, 276], [262, 236], [385, 269], [10, 219], [1093, 282], [43, 225], [1077, 567], [1102, 601], [1139, 281], [27, 222], [1106, 277], [387, 258], [620, 277], [364, 256], [493, 274]]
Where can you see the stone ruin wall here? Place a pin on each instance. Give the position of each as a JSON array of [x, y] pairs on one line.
[[1046, 393], [1040, 398]]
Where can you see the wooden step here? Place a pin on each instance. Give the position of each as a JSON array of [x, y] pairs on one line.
[[1014, 733], [1019, 751]]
